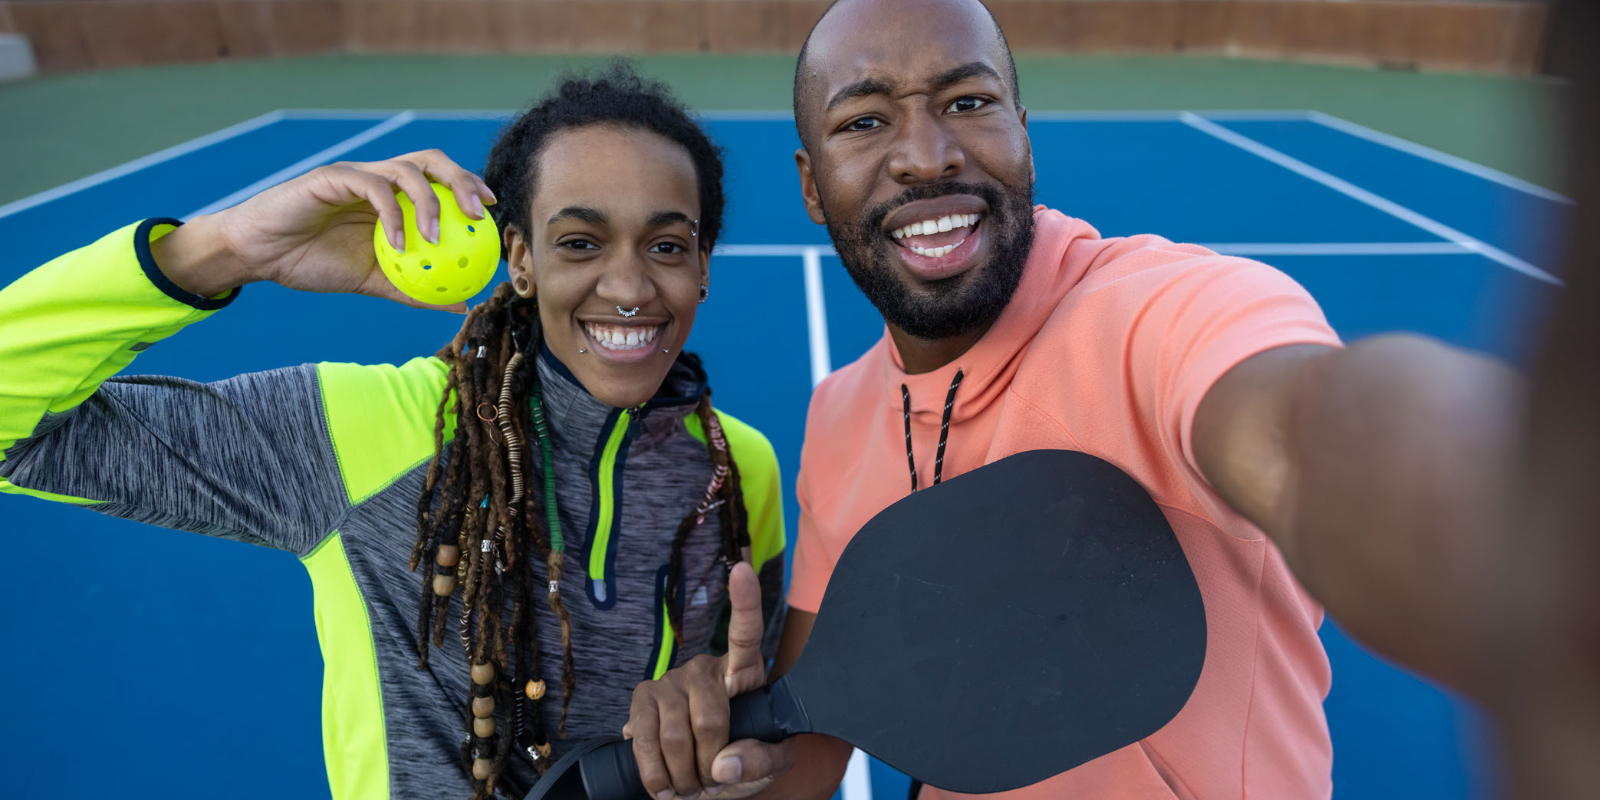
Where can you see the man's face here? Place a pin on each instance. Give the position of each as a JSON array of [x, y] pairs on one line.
[[918, 160]]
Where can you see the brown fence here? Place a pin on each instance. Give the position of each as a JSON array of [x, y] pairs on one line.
[[1502, 37]]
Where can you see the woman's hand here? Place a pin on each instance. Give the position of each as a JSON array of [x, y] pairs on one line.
[[679, 723], [314, 233]]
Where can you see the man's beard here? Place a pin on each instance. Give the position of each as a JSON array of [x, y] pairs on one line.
[[956, 305]]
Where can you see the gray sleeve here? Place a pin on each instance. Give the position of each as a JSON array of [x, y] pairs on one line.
[[247, 459], [773, 606]]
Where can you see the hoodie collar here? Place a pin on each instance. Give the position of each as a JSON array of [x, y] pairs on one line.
[[577, 418], [990, 364]]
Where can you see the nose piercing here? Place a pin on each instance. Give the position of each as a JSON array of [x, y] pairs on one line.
[[627, 313]]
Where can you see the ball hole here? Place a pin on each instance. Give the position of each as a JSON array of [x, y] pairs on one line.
[[471, 231], [441, 288], [462, 262], [426, 265]]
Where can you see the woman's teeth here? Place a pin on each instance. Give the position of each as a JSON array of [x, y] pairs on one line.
[[622, 337], [941, 225]]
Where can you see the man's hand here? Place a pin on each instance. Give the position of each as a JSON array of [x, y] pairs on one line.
[[679, 723], [314, 233]]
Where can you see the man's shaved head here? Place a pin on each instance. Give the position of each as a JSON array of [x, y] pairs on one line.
[[916, 157], [803, 72]]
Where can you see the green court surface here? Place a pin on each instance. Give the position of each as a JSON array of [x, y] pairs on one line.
[[57, 129]]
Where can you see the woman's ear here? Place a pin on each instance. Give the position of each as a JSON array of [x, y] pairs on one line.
[[705, 266], [519, 261]]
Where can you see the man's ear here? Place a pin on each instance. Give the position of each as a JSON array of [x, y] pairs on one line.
[[808, 187], [1022, 114], [705, 266]]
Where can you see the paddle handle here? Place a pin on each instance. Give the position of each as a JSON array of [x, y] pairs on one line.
[[769, 714]]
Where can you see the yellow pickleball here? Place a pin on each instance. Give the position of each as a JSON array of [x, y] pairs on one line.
[[458, 267]]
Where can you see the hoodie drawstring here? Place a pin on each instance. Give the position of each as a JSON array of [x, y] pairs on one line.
[[944, 431]]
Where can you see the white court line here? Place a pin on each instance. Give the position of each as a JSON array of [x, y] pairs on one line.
[[857, 778], [1359, 194], [306, 164], [731, 115], [1226, 248], [140, 163], [1420, 151], [1341, 249], [816, 315]]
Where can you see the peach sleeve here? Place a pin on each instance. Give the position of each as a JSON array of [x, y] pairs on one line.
[[1193, 330]]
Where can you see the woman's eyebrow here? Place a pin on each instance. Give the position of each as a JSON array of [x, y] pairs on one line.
[[661, 218], [583, 213]]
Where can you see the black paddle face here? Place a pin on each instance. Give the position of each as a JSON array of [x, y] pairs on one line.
[[1006, 625]]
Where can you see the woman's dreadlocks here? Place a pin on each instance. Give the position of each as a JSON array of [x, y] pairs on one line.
[[478, 525]]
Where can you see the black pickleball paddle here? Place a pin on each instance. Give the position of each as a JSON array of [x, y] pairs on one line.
[[981, 635]]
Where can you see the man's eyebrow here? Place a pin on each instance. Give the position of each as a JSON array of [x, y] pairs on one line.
[[661, 218], [860, 88], [583, 213], [955, 75]]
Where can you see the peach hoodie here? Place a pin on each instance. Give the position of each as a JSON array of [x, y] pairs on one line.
[[1107, 348]]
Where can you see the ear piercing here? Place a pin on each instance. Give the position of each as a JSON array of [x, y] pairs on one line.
[[705, 291]]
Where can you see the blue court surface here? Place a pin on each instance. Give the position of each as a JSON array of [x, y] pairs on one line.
[[141, 662]]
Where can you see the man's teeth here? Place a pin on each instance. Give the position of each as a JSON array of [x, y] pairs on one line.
[[622, 337], [940, 225], [935, 252]]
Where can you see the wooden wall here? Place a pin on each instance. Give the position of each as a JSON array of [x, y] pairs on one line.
[[1502, 36]]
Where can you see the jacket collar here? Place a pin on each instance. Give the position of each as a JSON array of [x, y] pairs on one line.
[[577, 419]]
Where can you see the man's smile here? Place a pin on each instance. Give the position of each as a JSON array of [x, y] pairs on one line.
[[940, 237]]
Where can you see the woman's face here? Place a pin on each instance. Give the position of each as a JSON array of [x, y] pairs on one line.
[[613, 224]]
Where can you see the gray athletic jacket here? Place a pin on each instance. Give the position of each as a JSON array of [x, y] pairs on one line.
[[327, 461]]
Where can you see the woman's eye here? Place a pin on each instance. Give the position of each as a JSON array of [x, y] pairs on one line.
[[967, 104], [668, 248], [863, 124]]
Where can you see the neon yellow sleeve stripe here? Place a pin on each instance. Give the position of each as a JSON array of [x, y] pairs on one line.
[[71, 324], [760, 480], [10, 488], [381, 420], [354, 741]]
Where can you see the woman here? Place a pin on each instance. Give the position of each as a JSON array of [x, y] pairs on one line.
[[504, 538]]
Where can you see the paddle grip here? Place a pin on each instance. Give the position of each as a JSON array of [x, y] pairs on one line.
[[769, 714]]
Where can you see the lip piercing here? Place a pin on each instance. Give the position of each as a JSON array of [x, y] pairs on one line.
[[582, 350], [627, 313]]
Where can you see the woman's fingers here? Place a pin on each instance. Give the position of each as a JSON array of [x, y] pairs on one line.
[[645, 725], [745, 669], [677, 743], [470, 190], [411, 180], [708, 718]]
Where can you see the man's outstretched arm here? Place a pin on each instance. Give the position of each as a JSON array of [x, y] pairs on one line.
[[1380, 473]]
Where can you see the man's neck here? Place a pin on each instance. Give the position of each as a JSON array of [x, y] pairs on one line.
[[927, 355]]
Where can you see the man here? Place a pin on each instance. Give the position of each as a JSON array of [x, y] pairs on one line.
[[1368, 475]]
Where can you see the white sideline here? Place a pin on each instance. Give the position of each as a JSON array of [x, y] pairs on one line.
[[1421, 151], [816, 315], [1359, 194], [306, 164], [140, 163], [1225, 248]]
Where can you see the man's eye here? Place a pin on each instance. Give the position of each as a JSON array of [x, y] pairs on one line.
[[863, 124], [967, 104], [669, 248], [579, 244]]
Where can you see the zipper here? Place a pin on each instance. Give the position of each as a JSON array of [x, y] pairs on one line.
[[607, 471]]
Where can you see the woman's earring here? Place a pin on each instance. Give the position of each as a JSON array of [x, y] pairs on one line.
[[705, 291], [522, 285]]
